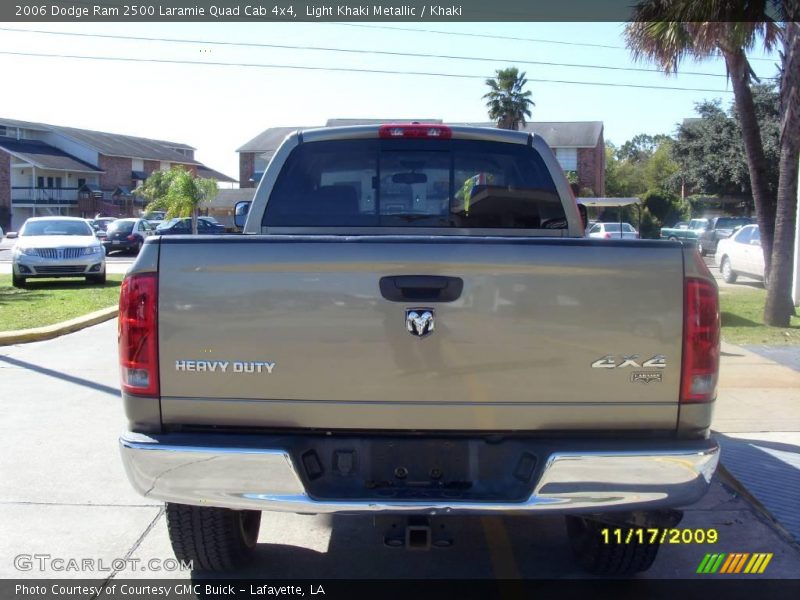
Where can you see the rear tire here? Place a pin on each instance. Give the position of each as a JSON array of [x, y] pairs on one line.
[[728, 274], [214, 539], [596, 556], [17, 281], [702, 249]]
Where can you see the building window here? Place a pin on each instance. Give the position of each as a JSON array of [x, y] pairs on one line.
[[58, 182], [81, 183], [137, 164], [567, 158], [50, 182], [40, 182], [3, 130]]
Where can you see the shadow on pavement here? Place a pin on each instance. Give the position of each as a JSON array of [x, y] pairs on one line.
[[59, 375], [505, 547]]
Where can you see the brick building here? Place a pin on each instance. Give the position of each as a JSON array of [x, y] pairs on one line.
[[53, 170], [578, 145]]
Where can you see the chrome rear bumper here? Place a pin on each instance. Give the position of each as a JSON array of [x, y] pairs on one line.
[[177, 469]]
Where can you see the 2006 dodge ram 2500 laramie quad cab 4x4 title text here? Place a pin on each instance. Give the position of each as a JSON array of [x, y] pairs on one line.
[[414, 323]]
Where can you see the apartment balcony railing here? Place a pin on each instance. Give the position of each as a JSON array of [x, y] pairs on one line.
[[38, 195]]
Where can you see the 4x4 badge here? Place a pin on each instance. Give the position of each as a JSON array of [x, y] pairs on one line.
[[419, 321], [659, 361]]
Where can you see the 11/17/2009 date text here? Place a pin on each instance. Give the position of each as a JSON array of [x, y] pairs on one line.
[[657, 535]]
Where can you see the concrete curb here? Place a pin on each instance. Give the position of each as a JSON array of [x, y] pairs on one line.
[[38, 334]]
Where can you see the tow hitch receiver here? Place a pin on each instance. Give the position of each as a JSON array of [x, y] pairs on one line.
[[416, 533]]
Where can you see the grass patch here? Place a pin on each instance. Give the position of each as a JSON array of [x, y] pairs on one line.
[[48, 301], [742, 314]]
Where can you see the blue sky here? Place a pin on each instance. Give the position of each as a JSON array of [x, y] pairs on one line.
[[216, 109]]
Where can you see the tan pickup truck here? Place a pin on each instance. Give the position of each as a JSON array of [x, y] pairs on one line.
[[413, 322]]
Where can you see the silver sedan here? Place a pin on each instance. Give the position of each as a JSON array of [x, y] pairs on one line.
[[57, 247]]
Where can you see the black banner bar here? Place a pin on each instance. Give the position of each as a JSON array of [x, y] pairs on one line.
[[197, 588], [406, 11]]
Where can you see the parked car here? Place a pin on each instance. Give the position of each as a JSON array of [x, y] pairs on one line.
[[1, 234], [205, 225], [57, 247], [617, 231], [684, 231], [741, 254], [99, 233], [127, 234], [211, 220], [102, 223], [718, 228]]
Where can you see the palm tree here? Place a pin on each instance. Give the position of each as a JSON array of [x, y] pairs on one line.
[[507, 102], [780, 302], [667, 31], [178, 192]]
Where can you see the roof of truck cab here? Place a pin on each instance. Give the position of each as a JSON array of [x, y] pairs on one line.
[[557, 134], [457, 131]]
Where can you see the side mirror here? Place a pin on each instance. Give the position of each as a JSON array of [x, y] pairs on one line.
[[755, 242], [12, 235], [240, 212]]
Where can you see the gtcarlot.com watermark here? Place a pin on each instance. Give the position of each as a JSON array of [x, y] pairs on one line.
[[48, 562]]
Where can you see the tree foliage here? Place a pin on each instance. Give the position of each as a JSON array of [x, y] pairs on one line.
[[643, 167], [641, 147], [710, 151], [624, 178], [643, 163], [507, 100]]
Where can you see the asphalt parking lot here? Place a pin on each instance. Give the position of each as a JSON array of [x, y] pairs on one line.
[[65, 495]]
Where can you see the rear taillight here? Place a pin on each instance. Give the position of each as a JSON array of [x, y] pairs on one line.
[[138, 339], [700, 365], [131, 238], [415, 130]]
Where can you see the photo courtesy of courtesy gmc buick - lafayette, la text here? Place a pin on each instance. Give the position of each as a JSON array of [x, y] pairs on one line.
[[414, 323]]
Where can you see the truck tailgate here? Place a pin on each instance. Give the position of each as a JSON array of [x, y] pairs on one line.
[[294, 332]]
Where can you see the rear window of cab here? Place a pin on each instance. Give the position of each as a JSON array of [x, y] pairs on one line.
[[418, 183]]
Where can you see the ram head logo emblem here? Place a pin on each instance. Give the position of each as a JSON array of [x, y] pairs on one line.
[[419, 321]]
